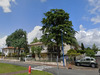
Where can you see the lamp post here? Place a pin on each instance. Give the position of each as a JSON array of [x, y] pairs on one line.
[[62, 47]]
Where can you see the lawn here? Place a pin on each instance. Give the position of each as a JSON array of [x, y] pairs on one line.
[[8, 68], [36, 73]]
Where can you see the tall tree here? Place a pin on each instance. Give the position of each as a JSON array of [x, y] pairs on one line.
[[82, 46], [17, 39], [94, 48], [56, 21]]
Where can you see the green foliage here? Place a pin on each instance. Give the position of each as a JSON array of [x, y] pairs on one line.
[[90, 53], [26, 49], [72, 53], [9, 55], [17, 39], [0, 53], [33, 50], [88, 48], [35, 40], [81, 51], [82, 46], [94, 48], [23, 54], [56, 21], [36, 49], [14, 55]]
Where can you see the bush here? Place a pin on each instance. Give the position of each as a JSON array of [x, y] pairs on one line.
[[9, 55], [14, 55], [72, 53], [23, 55], [90, 53]]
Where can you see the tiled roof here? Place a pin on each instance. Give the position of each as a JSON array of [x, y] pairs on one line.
[[12, 48]]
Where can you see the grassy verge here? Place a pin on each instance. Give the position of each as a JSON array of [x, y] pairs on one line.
[[36, 73], [7, 68]]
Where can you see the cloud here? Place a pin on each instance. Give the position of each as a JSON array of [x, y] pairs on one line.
[[81, 28], [88, 37], [34, 33], [5, 4], [96, 19], [94, 10], [3, 42], [30, 36], [43, 0]]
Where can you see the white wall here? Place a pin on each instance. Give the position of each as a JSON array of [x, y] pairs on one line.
[[66, 48]]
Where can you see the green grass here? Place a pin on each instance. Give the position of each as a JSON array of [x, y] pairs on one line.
[[7, 68], [36, 73]]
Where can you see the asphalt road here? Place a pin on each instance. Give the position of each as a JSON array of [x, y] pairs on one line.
[[55, 71]]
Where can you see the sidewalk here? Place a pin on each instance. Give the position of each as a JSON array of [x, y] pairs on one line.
[[54, 64]]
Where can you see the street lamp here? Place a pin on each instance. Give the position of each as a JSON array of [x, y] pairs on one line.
[[62, 47]]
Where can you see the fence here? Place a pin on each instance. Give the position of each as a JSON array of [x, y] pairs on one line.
[[46, 60]]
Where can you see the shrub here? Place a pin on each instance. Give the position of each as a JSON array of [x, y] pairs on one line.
[[90, 53]]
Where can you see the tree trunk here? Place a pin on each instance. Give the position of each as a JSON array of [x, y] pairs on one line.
[[51, 56], [14, 50], [19, 52]]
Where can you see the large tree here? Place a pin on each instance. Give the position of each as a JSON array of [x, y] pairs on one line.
[[17, 39], [57, 21]]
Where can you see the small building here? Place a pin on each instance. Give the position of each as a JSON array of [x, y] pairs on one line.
[[10, 50], [49, 54]]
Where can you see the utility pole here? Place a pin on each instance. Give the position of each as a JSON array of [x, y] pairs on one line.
[[62, 47]]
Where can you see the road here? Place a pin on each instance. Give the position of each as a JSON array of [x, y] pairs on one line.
[[61, 71]]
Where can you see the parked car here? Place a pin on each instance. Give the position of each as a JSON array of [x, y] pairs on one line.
[[28, 57], [87, 61]]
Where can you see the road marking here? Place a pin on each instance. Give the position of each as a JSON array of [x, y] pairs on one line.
[[41, 68]]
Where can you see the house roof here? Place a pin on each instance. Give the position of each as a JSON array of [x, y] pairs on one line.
[[12, 48], [35, 44]]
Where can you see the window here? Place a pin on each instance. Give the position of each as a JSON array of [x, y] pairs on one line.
[[92, 59], [87, 59], [82, 59]]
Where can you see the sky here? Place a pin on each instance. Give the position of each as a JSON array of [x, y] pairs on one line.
[[28, 14]]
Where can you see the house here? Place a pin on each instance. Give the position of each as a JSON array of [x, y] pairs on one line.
[[10, 50], [46, 54], [44, 50]]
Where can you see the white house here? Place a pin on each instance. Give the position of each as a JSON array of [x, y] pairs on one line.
[[10, 50], [45, 54]]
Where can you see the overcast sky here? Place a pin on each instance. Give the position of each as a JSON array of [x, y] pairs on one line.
[[27, 15]]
